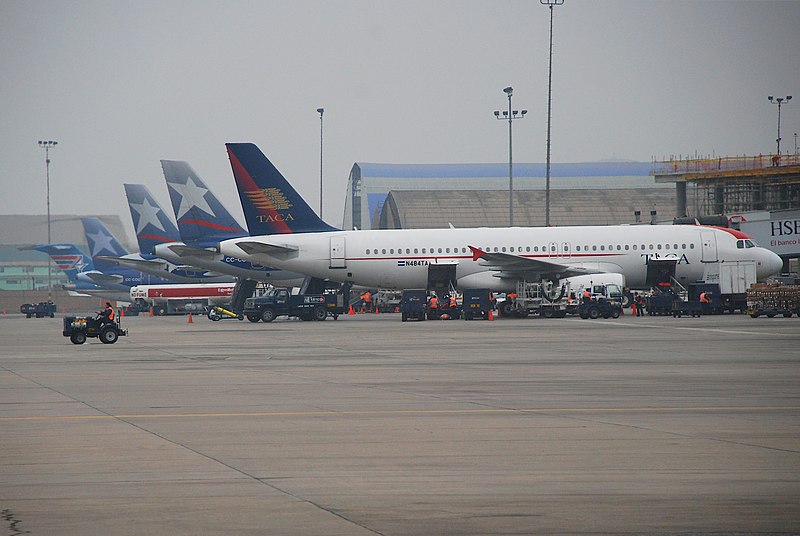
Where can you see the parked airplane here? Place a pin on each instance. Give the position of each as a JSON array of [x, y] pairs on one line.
[[495, 258], [203, 222], [73, 261], [108, 274], [153, 227]]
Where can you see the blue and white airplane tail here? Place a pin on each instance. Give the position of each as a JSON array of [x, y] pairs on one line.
[[202, 219], [270, 204], [69, 258], [101, 241], [152, 224]]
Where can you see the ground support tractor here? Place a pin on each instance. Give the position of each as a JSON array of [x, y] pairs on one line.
[[593, 309], [773, 300], [39, 310], [79, 328]]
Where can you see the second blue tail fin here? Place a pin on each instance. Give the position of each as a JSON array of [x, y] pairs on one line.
[[270, 204], [68, 257]]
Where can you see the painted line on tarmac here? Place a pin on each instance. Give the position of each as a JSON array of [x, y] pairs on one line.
[[738, 332], [401, 412]]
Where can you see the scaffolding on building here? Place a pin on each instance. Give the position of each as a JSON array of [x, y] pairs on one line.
[[733, 185]]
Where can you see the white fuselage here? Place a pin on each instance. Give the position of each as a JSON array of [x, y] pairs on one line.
[[401, 258]]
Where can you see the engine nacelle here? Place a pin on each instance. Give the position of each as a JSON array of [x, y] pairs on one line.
[[486, 280]]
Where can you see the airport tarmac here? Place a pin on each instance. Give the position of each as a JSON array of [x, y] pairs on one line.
[[368, 425]]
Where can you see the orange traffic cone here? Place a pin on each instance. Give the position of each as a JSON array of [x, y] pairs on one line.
[[122, 312], [376, 309], [491, 316], [151, 311], [351, 311], [190, 319]]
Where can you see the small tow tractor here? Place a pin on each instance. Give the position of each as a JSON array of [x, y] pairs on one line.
[[78, 328], [218, 313]]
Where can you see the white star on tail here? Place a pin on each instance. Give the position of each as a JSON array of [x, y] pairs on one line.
[[147, 214], [192, 196]]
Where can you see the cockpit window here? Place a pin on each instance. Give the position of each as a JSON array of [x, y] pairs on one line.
[[742, 244]]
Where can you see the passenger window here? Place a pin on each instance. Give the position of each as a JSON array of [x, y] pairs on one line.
[[416, 251], [667, 246], [691, 245], [627, 247], [635, 247], [619, 247], [503, 249], [383, 251], [594, 248], [528, 249], [659, 246]]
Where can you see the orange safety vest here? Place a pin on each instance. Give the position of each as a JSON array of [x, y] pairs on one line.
[[434, 303], [110, 313]]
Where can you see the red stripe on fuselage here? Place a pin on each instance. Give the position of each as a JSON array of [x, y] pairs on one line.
[[246, 182]]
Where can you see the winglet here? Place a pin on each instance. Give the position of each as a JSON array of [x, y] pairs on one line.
[[476, 253]]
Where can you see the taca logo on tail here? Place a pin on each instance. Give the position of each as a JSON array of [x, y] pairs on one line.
[[270, 204]]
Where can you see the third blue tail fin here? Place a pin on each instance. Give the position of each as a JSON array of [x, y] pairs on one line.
[[201, 217], [149, 219], [270, 204]]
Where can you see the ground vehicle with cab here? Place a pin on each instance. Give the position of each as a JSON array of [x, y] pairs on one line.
[[282, 302]]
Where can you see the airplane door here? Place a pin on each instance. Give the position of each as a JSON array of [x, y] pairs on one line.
[[709, 244], [337, 252]]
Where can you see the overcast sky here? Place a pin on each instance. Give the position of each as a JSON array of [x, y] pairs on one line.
[[123, 84]]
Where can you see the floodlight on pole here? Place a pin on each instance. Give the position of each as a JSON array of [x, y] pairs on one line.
[[779, 101], [510, 115], [320, 111], [549, 4], [47, 145]]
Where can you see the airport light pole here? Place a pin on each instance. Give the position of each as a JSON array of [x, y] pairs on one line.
[[549, 4], [320, 111], [779, 101], [47, 145], [510, 115]]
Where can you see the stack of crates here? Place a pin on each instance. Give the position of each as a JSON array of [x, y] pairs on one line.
[[773, 299]]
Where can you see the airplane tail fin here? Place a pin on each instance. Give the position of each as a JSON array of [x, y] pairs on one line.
[[152, 224], [100, 239], [201, 217], [67, 257], [270, 204]]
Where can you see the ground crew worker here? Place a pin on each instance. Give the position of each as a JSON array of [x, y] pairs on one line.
[[704, 297], [587, 296], [433, 305], [453, 302], [640, 305], [107, 315], [368, 301]]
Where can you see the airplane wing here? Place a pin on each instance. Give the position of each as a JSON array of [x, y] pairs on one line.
[[189, 251], [100, 278], [136, 264], [516, 267], [253, 248]]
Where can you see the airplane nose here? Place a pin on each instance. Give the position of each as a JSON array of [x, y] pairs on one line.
[[773, 264]]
